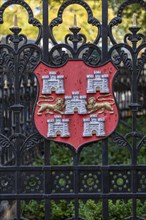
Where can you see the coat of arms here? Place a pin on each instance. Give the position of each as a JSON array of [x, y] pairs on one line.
[[75, 102]]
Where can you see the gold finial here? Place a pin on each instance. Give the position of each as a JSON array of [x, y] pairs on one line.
[[15, 21], [75, 20], [134, 20]]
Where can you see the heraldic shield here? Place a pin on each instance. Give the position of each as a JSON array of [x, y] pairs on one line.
[[75, 102]]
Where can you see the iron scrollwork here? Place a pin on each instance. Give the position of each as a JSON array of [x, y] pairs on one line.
[[31, 18], [21, 146], [80, 48]]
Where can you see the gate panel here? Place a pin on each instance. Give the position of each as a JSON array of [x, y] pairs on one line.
[[41, 179]]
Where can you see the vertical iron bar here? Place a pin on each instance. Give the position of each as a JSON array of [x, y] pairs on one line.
[[15, 108], [47, 179], [104, 30], [46, 144], [76, 202], [105, 179], [134, 122], [1, 101], [45, 30], [16, 118], [105, 142], [18, 207], [18, 178], [134, 105], [16, 82]]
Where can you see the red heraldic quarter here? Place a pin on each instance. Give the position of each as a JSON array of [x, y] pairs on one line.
[[75, 102]]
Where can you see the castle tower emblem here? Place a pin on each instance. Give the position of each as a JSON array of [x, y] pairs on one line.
[[53, 82], [97, 81], [58, 126], [75, 102], [93, 124]]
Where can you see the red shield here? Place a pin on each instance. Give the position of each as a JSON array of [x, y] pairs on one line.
[[75, 103]]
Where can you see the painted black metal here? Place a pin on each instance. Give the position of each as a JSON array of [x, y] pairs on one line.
[[21, 145]]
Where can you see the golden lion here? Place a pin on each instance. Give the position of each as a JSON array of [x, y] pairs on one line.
[[55, 107], [93, 105]]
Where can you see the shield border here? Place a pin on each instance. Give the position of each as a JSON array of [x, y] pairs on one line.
[[112, 92]]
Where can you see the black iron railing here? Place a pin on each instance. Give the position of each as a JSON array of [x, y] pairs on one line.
[[35, 170]]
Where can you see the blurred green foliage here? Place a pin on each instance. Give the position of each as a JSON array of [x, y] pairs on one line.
[[90, 210]]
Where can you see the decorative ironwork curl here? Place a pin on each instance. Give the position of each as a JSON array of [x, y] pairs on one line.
[[129, 37], [122, 55], [31, 141], [91, 20], [134, 134], [117, 20], [75, 38], [141, 143], [31, 19], [17, 138], [130, 2], [6, 146], [5, 142], [59, 55], [142, 60], [22, 38], [132, 51], [29, 54], [7, 59], [90, 53], [121, 141], [20, 64]]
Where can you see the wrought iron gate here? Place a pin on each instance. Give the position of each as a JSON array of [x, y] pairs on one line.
[[30, 169]]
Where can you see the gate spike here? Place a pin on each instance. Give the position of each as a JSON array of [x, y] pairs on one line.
[[134, 20], [75, 20], [15, 21]]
